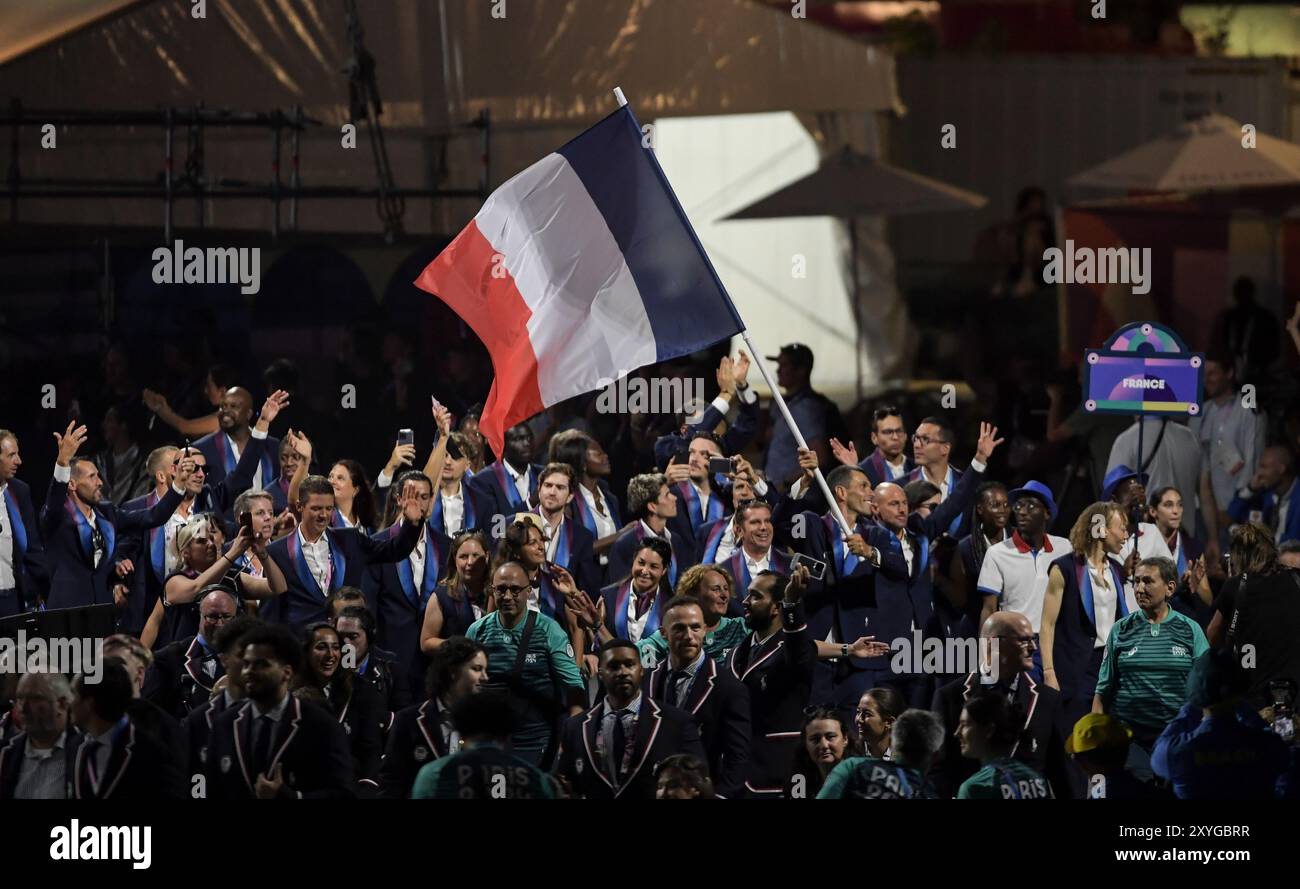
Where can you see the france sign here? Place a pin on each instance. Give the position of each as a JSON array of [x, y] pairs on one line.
[[1144, 368]]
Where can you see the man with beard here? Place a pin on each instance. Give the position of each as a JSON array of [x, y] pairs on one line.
[[228, 693], [82, 532], [690, 679], [612, 750], [507, 486], [776, 664], [38, 762], [277, 746]]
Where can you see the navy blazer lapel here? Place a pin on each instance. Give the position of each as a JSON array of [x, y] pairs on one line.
[[118, 760], [430, 726], [295, 706], [656, 687], [648, 724], [191, 663], [242, 729], [590, 730], [759, 655], [702, 687]]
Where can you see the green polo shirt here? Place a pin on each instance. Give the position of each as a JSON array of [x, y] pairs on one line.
[[718, 642], [549, 667], [1143, 678], [866, 777]]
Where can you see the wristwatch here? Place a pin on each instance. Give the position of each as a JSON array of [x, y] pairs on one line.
[[844, 651]]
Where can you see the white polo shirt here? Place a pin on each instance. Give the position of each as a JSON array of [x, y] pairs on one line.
[[1017, 574]]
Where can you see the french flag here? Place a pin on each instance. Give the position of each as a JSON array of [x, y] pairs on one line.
[[578, 270]]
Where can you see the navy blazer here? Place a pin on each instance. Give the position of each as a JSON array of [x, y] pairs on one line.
[[1076, 627], [74, 579], [197, 727], [351, 552], [958, 525], [1042, 746], [586, 517], [1266, 504], [31, 574], [917, 587], [779, 676], [221, 459], [661, 731], [309, 745], [495, 495], [624, 550], [720, 704], [181, 677], [875, 467], [738, 568], [734, 440], [847, 598], [140, 767], [414, 741], [398, 601]]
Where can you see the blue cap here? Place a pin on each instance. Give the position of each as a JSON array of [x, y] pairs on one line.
[[1036, 489], [1120, 473]]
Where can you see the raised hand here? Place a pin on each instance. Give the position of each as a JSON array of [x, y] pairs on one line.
[[740, 367], [798, 583], [726, 375], [562, 580], [70, 442], [301, 444], [807, 460], [275, 402], [846, 455], [677, 473], [987, 443], [184, 470], [742, 469], [403, 455], [155, 401], [443, 418]]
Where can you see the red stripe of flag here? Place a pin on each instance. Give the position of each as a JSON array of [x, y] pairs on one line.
[[462, 277]]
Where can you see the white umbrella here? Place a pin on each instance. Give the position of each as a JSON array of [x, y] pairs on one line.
[[1205, 154], [848, 185]]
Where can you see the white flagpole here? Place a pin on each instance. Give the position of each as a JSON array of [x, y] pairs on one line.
[[777, 398]]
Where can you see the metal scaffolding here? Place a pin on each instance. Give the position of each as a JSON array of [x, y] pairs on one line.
[[191, 182]]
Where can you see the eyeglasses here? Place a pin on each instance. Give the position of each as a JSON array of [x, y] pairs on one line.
[[509, 589], [1022, 641], [926, 441], [218, 618], [892, 433]]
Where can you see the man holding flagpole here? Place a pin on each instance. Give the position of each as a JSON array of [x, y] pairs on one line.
[[580, 269]]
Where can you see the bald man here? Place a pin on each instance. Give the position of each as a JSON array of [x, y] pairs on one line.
[[1006, 657], [1272, 497], [904, 591], [223, 447]]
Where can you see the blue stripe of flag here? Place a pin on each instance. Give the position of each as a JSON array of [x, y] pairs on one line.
[[684, 300]]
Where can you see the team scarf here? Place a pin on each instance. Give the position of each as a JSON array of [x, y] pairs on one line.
[[694, 511], [508, 485], [587, 515], [1179, 552], [563, 547], [157, 541], [1083, 579], [846, 562], [549, 602], [672, 565], [469, 520], [740, 566], [338, 565], [621, 620], [226, 454], [713, 540], [432, 569], [16, 521], [86, 533], [920, 552]]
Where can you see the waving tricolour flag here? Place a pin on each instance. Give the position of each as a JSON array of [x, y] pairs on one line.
[[578, 270]]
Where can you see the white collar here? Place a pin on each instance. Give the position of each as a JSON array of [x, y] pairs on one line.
[[634, 705]]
